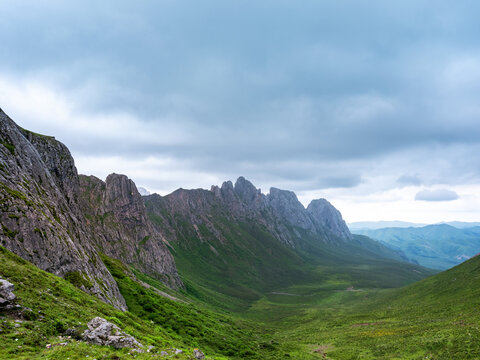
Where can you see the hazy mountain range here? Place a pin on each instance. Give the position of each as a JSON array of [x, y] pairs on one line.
[[372, 225], [438, 246]]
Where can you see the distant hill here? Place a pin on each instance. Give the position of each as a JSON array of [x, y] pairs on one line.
[[381, 224], [439, 246], [462, 224]]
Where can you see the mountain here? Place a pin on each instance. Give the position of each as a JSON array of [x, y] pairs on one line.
[[438, 246], [235, 243]]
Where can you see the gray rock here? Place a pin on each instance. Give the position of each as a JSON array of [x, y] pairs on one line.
[[327, 216], [286, 205], [198, 354], [39, 212], [102, 332], [7, 297], [119, 222]]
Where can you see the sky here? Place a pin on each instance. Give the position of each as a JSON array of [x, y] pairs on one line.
[[374, 105]]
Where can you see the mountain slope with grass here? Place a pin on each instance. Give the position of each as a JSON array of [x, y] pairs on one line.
[[54, 312], [233, 244], [435, 318]]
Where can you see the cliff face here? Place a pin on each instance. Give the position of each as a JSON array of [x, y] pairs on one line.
[[326, 216], [40, 217], [120, 227]]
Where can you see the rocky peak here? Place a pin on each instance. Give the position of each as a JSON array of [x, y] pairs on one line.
[[58, 160], [249, 194], [122, 196], [327, 216], [286, 205], [122, 229]]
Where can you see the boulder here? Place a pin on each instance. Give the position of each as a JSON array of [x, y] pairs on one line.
[[197, 354], [102, 332], [7, 297]]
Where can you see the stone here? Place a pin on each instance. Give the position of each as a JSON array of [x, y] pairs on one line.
[[198, 354], [7, 297], [102, 332]]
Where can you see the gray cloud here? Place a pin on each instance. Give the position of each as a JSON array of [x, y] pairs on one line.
[[270, 90], [436, 195], [406, 180]]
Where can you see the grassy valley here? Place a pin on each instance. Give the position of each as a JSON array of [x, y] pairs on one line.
[[436, 318]]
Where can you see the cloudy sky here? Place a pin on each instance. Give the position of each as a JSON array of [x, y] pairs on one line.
[[374, 105]]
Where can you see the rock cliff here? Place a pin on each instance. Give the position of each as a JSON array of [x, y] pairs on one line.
[[39, 214], [120, 227]]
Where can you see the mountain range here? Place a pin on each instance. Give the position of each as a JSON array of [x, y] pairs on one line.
[[235, 272]]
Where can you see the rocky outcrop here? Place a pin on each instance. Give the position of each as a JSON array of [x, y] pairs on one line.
[[327, 216], [249, 194], [121, 228], [102, 332], [287, 207], [7, 297], [39, 214]]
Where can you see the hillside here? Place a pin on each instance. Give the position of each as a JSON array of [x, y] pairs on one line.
[[435, 318], [438, 246], [49, 306]]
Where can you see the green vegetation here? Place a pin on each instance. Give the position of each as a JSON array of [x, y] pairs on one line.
[[56, 305], [9, 146], [235, 273], [15, 194], [144, 240], [215, 333], [11, 234], [78, 279]]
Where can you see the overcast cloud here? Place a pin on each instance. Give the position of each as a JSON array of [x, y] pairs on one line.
[[365, 102]]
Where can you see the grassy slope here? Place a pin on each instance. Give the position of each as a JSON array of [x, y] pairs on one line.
[[436, 318], [57, 305]]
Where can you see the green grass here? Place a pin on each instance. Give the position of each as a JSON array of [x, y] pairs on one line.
[[235, 273], [436, 318], [192, 324], [56, 305], [9, 146]]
